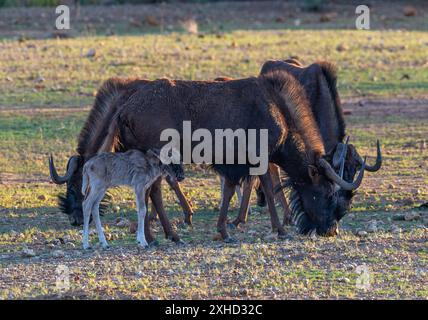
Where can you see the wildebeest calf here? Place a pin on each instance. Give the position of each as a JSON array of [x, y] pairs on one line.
[[132, 168]]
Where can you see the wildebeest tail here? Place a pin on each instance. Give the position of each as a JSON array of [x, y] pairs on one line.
[[297, 110], [111, 140]]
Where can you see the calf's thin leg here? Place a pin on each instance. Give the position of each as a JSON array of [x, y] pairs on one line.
[[140, 194], [87, 209], [266, 182], [184, 203], [96, 216]]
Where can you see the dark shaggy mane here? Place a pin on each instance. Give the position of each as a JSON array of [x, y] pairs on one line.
[[297, 109], [102, 113], [329, 71]]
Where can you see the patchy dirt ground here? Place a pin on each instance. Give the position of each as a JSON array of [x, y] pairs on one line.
[[377, 255]]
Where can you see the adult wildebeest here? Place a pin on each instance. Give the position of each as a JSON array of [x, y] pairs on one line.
[[319, 82], [273, 101]]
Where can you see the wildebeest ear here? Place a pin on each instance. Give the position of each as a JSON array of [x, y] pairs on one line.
[[313, 172]]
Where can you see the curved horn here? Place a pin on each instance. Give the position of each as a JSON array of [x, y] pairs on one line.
[[342, 165], [330, 173], [71, 167], [378, 163]]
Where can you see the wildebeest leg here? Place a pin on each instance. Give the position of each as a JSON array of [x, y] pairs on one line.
[[87, 209], [156, 197], [274, 172], [228, 191], [96, 216], [153, 215], [247, 187], [266, 182], [147, 231], [238, 191], [185, 205], [140, 194], [261, 200]]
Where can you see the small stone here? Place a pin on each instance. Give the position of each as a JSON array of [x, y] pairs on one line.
[[28, 253], [122, 223], [344, 280], [362, 233], [341, 47], [39, 79], [91, 53], [58, 254], [116, 209], [372, 227], [396, 230], [391, 186], [42, 197], [416, 191], [412, 216]]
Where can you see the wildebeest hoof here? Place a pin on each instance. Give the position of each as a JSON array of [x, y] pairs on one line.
[[231, 226], [284, 236], [153, 243], [230, 240], [180, 243]]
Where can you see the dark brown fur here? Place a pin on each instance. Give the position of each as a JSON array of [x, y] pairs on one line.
[[274, 101]]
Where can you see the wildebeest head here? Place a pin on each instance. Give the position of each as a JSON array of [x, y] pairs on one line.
[[71, 202], [318, 206], [174, 170]]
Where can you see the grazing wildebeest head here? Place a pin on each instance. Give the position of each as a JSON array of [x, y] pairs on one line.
[[71, 202], [319, 82]]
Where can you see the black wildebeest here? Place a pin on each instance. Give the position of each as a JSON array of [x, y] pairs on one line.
[[274, 101], [277, 102], [319, 81]]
